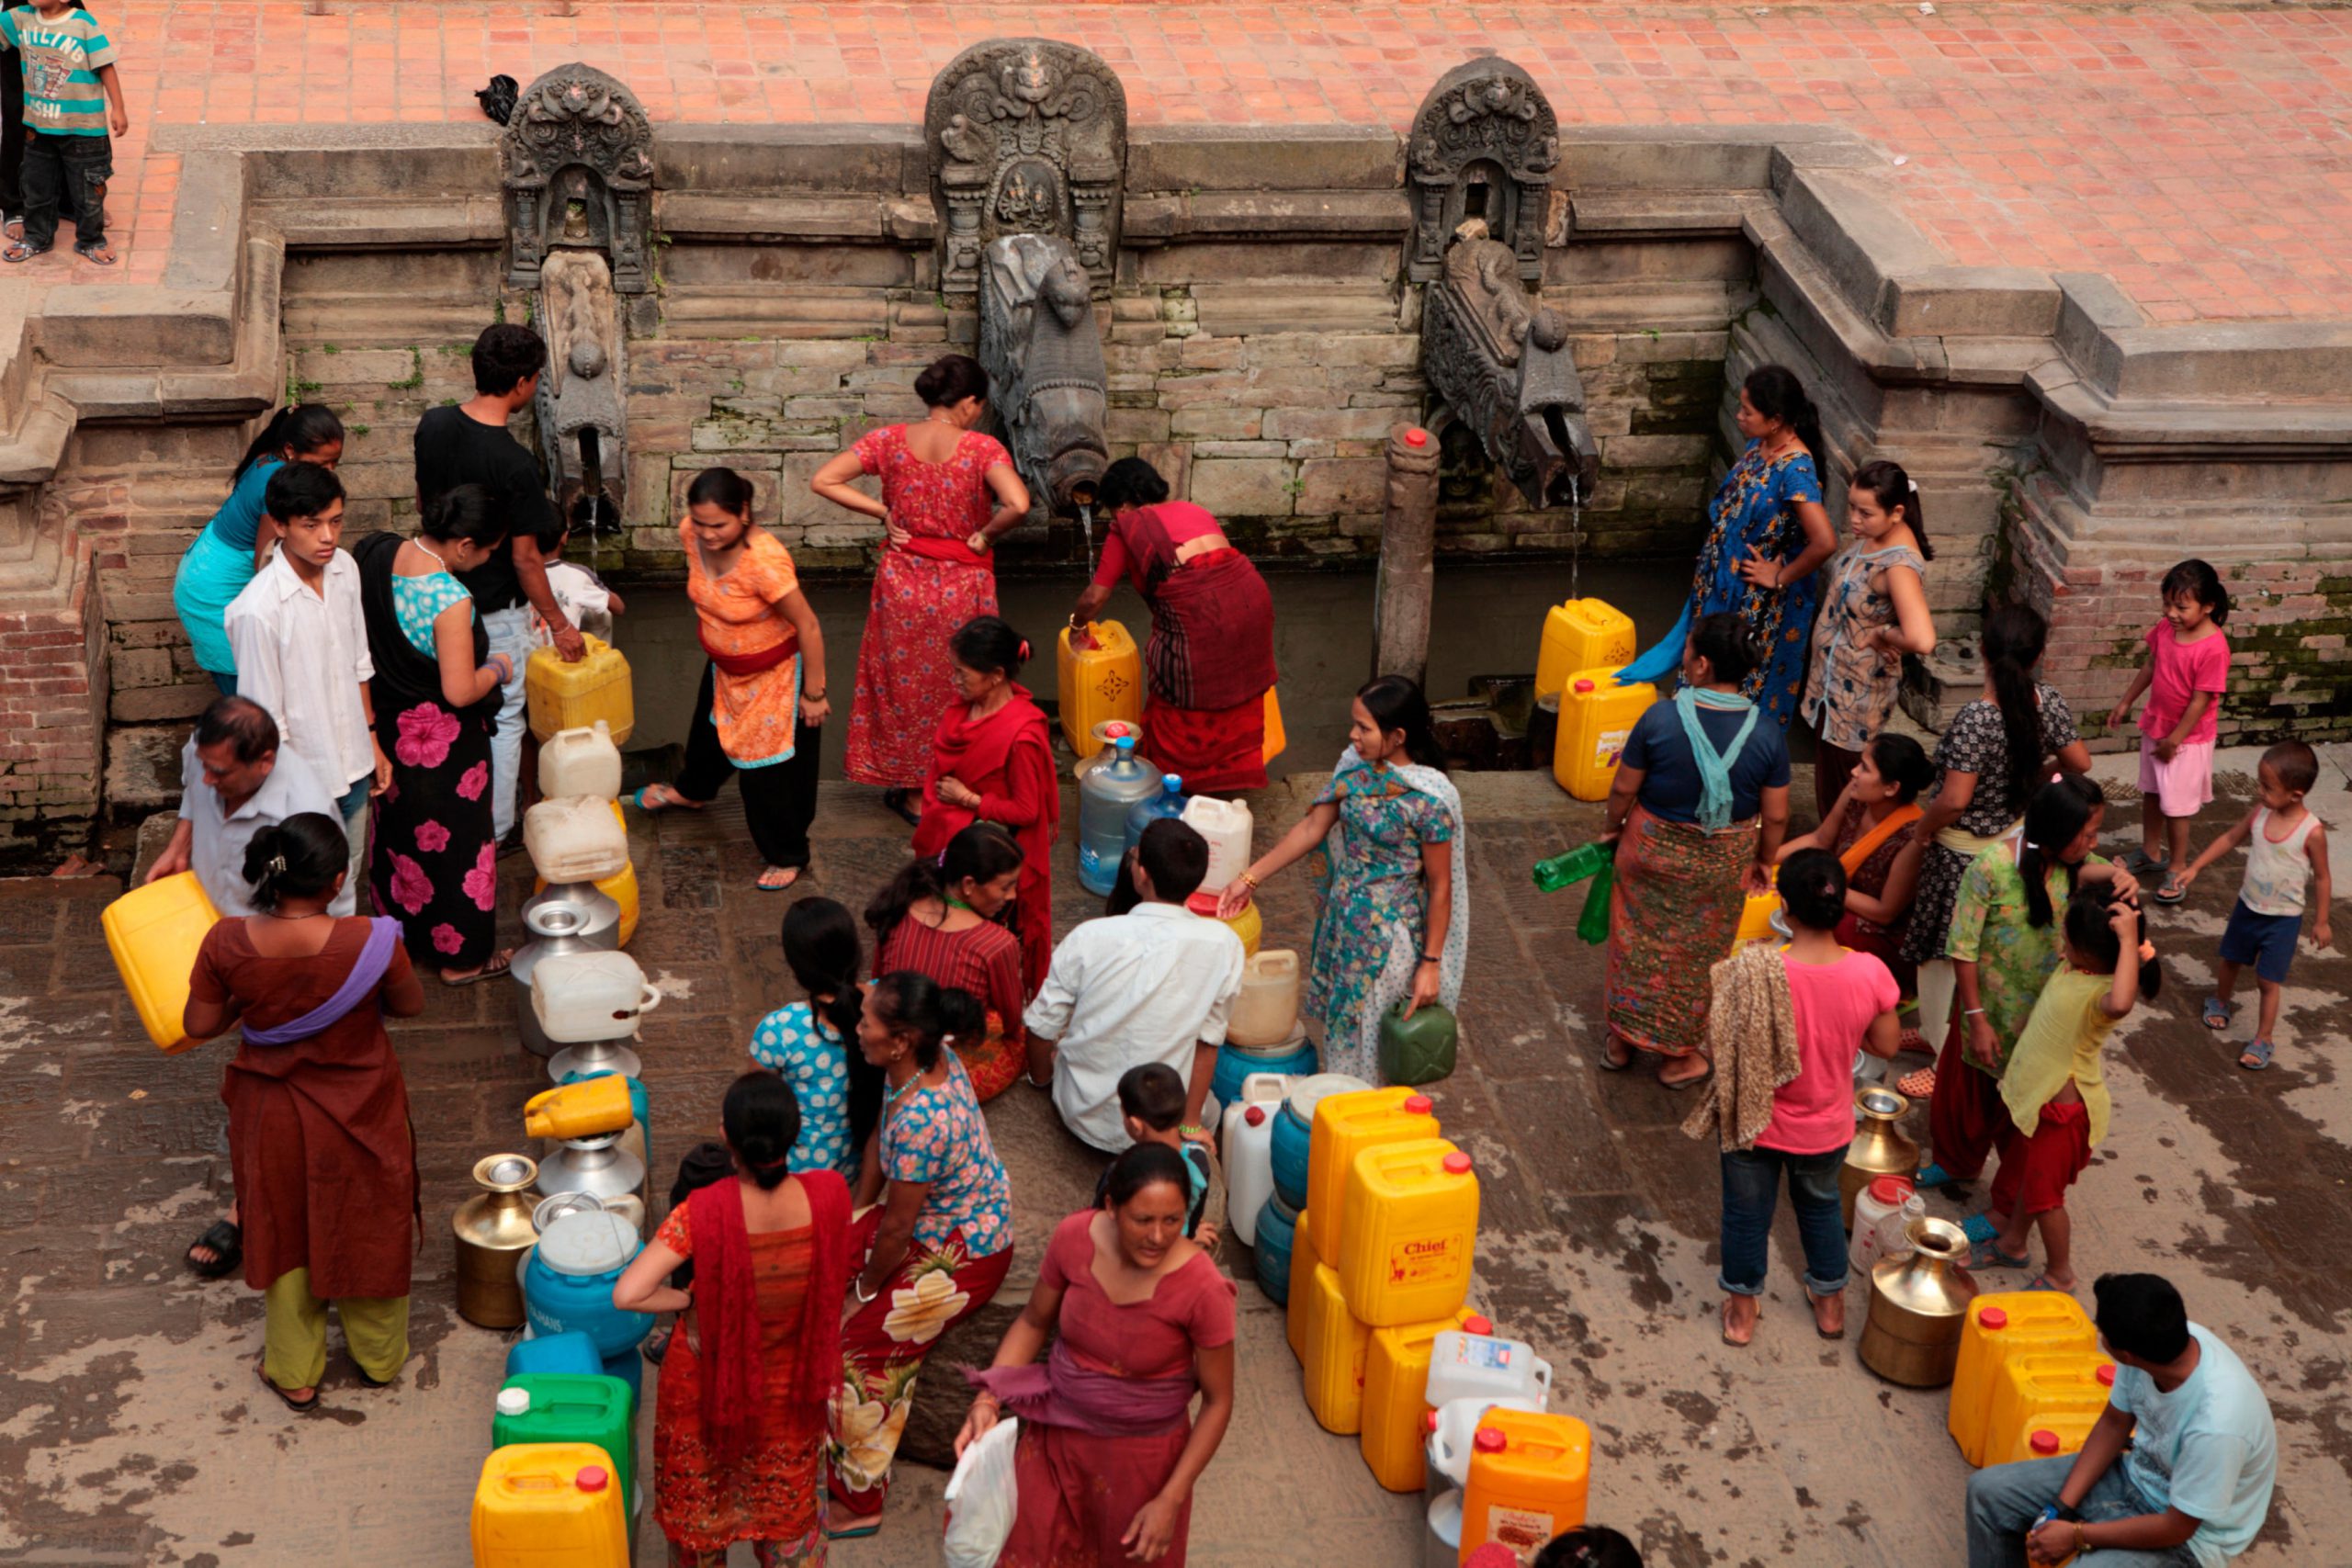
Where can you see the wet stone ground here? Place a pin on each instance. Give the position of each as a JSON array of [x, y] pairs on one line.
[[131, 1431]]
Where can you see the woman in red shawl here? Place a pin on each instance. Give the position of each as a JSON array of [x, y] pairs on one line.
[[991, 761], [738, 1421], [1210, 661]]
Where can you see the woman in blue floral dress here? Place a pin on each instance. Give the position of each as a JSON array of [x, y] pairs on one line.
[[809, 1044], [1395, 923], [1769, 532]]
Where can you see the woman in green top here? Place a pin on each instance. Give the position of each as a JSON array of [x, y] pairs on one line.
[[2005, 944]]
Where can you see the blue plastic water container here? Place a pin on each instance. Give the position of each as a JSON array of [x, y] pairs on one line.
[[1295, 1126], [1277, 1234], [1169, 801], [1105, 795], [568, 1286], [571, 1352], [1234, 1063]]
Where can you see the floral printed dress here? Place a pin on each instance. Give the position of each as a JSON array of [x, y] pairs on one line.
[[1851, 691], [923, 592], [432, 862], [961, 1252], [1755, 509], [808, 1054]]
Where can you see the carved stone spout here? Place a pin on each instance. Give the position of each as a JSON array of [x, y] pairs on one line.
[[1501, 361], [579, 405], [1043, 350]]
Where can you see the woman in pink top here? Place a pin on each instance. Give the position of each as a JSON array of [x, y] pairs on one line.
[[2186, 671], [1842, 1001]]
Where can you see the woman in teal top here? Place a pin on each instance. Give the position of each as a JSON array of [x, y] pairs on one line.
[[231, 547]]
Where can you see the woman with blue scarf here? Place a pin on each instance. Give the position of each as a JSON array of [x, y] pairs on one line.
[[1769, 532], [1697, 813]]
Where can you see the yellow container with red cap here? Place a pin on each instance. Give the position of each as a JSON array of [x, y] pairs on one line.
[[548, 1505], [1411, 1228], [2048, 1435], [1246, 923], [1597, 715], [1581, 634], [1345, 1126], [1099, 674], [2002, 1324], [2035, 1387], [1530, 1476], [1396, 1405]]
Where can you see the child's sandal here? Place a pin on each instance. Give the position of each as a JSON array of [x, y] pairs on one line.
[[2257, 1057], [2216, 1015]]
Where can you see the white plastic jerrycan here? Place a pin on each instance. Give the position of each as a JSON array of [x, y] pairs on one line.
[[1226, 825], [1266, 1012], [1448, 1451], [1248, 1151], [581, 761], [1486, 1366], [575, 837], [580, 996]]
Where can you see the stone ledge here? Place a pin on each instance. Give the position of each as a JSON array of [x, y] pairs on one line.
[[1595, 157], [1674, 215], [1196, 158], [834, 158], [246, 382], [701, 215], [448, 222], [1971, 301], [1265, 215], [1854, 228], [328, 162]]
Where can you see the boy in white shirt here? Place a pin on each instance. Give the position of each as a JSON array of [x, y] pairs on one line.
[[579, 592], [301, 643]]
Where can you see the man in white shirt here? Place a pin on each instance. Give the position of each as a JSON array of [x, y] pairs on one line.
[[234, 780], [1153, 985], [301, 642]]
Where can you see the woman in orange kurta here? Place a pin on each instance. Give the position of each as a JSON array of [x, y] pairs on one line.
[[738, 1421], [762, 696]]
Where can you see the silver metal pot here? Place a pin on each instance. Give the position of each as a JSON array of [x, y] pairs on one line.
[[555, 928], [597, 1166], [600, 912]]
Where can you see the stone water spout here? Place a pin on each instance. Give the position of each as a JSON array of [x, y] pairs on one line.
[[1502, 363], [1042, 346], [581, 400]]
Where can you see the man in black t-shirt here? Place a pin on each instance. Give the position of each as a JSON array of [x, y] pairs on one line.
[[469, 445]]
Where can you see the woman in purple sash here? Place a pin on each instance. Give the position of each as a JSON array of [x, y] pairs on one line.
[[1107, 1458], [319, 1134]]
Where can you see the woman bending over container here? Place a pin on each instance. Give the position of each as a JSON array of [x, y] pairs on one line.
[[950, 920]]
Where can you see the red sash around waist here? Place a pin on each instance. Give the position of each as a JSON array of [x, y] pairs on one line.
[[954, 551], [749, 664]]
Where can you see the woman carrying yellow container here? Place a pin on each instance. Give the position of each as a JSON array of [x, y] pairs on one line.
[[1210, 661]]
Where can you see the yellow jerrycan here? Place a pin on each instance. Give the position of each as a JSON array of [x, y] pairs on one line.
[[1098, 684], [154, 932]]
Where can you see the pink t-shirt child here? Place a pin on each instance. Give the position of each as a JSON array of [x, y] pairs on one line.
[[2176, 672], [1814, 1112]]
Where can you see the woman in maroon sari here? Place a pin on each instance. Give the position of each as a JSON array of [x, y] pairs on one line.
[[319, 1134], [992, 761], [1210, 661], [1107, 1460]]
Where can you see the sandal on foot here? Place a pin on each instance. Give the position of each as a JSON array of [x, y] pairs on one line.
[[1678, 1084], [498, 965], [2256, 1056], [2171, 893], [20, 252], [1932, 1175], [791, 873], [98, 253], [228, 1244], [1920, 1084], [670, 800], [1610, 1064], [1988, 1255], [13, 226], [300, 1406], [1729, 1338], [1817, 1303], [1979, 1229], [2140, 863], [2217, 1013], [2044, 1283], [896, 800]]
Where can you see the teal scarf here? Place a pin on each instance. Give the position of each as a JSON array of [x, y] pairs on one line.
[[1714, 767]]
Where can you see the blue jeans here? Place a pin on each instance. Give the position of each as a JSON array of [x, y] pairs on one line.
[[353, 809], [510, 633], [2004, 1500], [1751, 1189]]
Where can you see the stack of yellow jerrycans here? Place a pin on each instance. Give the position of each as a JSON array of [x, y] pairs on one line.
[[2031, 1382], [1586, 642]]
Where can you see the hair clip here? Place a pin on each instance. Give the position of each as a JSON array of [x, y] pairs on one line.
[[1913, 483], [1024, 651], [2147, 952], [277, 865]]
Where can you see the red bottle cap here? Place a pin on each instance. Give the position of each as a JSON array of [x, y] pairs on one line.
[[2044, 1443], [1992, 1318], [1890, 1190], [1490, 1441], [1420, 1104], [2107, 1375], [1428, 1421], [1417, 436], [591, 1478], [1457, 1165], [1255, 1116], [1478, 1324], [1112, 731], [1202, 904], [1583, 686]]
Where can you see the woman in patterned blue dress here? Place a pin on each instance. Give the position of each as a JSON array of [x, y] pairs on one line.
[[1769, 532], [809, 1044], [434, 858], [1396, 919]]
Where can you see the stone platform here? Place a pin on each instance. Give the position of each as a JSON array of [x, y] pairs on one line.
[[131, 1432]]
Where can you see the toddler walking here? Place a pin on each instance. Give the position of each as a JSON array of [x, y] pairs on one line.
[[2186, 671], [2055, 1087], [2286, 858]]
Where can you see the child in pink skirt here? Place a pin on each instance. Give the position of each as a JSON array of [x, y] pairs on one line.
[[2186, 671]]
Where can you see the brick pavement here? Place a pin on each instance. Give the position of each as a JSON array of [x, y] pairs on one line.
[[2196, 154]]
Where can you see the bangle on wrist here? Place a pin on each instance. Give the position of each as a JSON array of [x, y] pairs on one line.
[[864, 1296], [1971, 1012], [1431, 958]]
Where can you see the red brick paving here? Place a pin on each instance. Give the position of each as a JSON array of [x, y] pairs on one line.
[[2196, 154]]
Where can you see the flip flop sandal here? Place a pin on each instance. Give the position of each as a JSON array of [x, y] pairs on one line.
[[1677, 1086], [765, 885], [2041, 1282], [2217, 1013], [2140, 863], [1609, 1065], [2171, 893], [300, 1406], [1931, 1176], [21, 251], [675, 803], [1979, 1229], [228, 1244], [1916, 1086], [499, 963], [99, 254], [1988, 1255], [1734, 1344], [2256, 1056], [1814, 1302]]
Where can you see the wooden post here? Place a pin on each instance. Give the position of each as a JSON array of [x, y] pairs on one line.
[[1400, 607]]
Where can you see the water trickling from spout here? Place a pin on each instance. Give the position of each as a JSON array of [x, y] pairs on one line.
[[1086, 529], [1576, 536]]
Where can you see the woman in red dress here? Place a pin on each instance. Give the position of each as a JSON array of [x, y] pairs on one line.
[[947, 493], [318, 1114], [992, 761], [947, 919], [1210, 661], [1106, 1460], [738, 1420]]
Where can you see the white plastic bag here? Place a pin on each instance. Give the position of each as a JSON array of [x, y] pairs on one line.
[[982, 1499]]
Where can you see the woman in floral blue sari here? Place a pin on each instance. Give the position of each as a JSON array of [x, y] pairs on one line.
[[1769, 532]]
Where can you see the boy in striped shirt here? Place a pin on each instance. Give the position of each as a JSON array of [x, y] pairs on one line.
[[73, 99]]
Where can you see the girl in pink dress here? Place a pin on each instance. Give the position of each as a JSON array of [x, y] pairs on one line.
[[947, 493]]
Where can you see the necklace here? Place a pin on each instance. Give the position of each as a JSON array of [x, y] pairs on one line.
[[421, 544], [956, 903], [890, 1095]]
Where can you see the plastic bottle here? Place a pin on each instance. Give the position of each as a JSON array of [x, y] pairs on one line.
[[1169, 801], [1567, 870], [1592, 925], [1103, 802], [1248, 1168], [1226, 825], [1877, 1204], [1895, 1234]]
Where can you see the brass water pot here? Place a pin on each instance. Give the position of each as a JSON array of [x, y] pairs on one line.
[[1879, 1147], [1918, 1307], [494, 1230]]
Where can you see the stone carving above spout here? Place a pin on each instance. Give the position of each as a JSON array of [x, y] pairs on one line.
[[1027, 136], [1483, 145], [580, 403], [577, 165], [1501, 361], [1042, 346]]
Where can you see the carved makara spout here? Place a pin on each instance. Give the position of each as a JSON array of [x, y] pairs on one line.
[[1502, 363], [1043, 350], [579, 405]]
